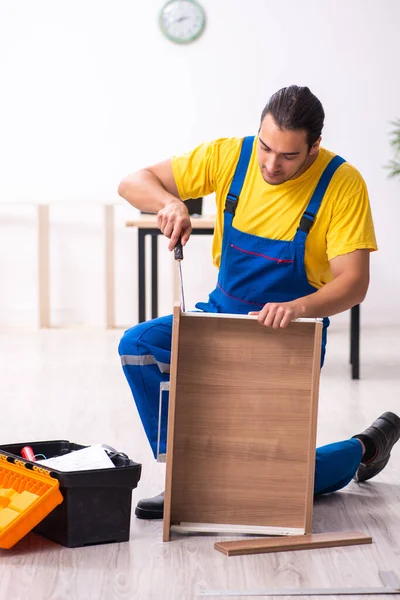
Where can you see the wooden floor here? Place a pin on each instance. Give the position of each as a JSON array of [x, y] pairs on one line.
[[69, 385]]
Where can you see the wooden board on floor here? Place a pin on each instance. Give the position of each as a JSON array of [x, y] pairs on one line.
[[242, 423], [298, 542]]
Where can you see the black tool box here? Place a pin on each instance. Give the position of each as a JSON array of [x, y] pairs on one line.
[[97, 503]]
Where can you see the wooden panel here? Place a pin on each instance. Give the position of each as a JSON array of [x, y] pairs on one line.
[[298, 542], [243, 438], [171, 421], [228, 529], [316, 370]]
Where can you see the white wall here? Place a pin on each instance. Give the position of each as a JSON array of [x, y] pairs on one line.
[[91, 90]]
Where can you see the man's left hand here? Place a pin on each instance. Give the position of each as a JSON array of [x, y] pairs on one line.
[[278, 314]]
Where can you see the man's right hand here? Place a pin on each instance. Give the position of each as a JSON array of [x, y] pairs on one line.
[[174, 222], [154, 190]]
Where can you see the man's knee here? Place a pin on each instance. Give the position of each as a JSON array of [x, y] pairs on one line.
[[156, 333], [129, 341]]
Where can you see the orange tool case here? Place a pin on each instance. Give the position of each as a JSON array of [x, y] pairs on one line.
[[28, 493]]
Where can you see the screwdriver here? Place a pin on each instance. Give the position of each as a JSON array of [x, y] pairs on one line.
[[178, 255]]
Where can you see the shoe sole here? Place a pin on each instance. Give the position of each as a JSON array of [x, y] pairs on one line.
[[363, 474], [144, 513]]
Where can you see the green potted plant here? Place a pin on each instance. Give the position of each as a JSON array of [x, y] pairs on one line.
[[394, 165]]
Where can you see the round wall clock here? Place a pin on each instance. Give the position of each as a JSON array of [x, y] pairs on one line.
[[182, 21]]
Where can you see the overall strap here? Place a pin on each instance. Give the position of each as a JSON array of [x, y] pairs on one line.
[[239, 176], [307, 220]]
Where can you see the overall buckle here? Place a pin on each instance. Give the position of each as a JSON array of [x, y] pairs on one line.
[[306, 222], [230, 203]]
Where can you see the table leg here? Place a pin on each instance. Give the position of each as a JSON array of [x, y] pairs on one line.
[[154, 277], [142, 275], [355, 342]]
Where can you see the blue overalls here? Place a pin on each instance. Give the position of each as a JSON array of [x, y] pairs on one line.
[[253, 271]]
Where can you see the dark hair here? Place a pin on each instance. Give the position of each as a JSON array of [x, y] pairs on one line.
[[296, 107]]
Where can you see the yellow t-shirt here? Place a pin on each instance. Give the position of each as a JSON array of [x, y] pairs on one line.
[[343, 223]]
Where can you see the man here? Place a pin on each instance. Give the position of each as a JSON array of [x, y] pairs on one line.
[[292, 239]]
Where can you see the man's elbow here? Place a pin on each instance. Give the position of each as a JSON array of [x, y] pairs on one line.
[[124, 188], [361, 291], [359, 298]]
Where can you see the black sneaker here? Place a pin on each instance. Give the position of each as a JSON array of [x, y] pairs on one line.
[[383, 433], [150, 508]]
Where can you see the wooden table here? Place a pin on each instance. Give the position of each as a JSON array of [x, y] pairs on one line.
[[204, 225]]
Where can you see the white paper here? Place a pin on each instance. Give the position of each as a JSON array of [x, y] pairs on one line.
[[86, 459]]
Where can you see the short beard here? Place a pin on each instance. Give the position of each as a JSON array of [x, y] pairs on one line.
[[300, 168]]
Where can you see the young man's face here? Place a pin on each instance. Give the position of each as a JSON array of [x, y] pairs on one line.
[[283, 154]]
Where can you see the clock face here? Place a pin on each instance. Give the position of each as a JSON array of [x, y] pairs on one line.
[[182, 21]]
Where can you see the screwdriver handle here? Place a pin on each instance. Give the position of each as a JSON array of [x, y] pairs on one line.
[[178, 250]]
